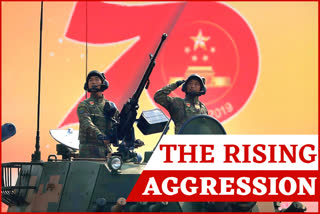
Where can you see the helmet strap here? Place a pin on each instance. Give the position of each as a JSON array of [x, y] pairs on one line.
[[93, 90], [194, 94]]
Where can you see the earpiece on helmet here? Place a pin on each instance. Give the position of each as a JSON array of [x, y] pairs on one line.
[[104, 85]]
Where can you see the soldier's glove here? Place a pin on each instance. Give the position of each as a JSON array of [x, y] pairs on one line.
[[180, 82], [138, 143], [103, 137]]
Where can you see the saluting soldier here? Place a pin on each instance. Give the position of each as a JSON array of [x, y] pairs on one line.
[[180, 109], [96, 121]]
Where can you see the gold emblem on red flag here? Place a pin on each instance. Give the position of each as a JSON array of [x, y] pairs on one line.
[[203, 54], [199, 41]]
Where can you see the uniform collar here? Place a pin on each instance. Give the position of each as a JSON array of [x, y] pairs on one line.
[[96, 98], [192, 99]]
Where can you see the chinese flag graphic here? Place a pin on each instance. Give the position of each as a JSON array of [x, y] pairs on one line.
[[206, 38]]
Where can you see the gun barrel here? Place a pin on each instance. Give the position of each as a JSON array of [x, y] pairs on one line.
[[147, 74], [129, 111]]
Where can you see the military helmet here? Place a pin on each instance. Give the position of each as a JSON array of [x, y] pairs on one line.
[[105, 83], [202, 80]]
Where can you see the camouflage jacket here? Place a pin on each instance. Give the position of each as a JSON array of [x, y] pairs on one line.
[[92, 120], [179, 109]]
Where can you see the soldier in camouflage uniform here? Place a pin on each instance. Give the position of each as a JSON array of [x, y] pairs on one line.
[[180, 109], [95, 131]]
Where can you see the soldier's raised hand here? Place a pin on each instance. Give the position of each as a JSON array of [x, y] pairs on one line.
[[106, 142], [180, 82]]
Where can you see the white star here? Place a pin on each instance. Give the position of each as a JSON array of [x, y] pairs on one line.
[[199, 41], [187, 50], [205, 58]]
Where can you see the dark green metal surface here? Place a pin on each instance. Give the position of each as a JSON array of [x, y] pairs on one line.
[[79, 186], [202, 124]]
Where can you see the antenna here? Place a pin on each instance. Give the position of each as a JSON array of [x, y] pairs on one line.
[[36, 156], [165, 130]]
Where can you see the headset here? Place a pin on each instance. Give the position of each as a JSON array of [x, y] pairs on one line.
[[104, 85]]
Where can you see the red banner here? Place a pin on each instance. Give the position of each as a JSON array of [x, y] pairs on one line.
[[208, 38]]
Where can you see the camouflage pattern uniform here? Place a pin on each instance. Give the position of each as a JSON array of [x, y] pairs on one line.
[[93, 123], [179, 109]]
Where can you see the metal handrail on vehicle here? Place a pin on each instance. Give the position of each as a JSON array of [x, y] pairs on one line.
[[15, 182]]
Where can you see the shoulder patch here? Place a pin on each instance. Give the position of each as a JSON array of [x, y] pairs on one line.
[[91, 102]]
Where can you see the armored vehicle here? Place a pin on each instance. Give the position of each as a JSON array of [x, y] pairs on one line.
[[73, 184]]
